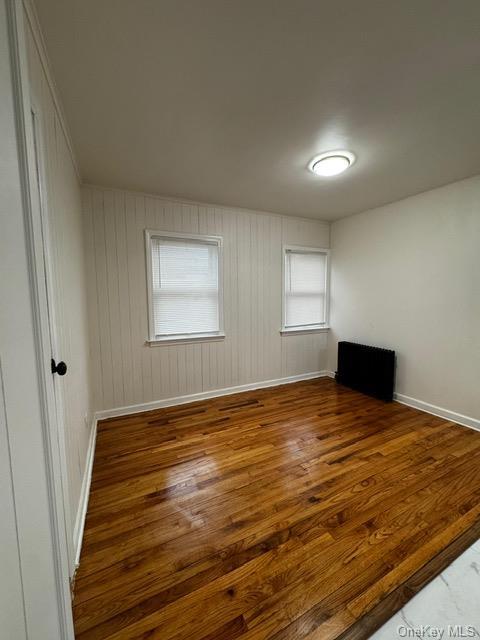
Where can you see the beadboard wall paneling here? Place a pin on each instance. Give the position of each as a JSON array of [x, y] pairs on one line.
[[127, 371], [66, 248]]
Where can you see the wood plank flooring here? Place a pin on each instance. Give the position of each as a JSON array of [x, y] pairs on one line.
[[302, 511]]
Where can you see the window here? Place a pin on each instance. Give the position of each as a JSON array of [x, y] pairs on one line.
[[184, 285], [305, 300]]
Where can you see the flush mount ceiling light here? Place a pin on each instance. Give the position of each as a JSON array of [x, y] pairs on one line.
[[331, 163]]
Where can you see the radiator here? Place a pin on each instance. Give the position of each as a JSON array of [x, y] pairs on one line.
[[367, 369]]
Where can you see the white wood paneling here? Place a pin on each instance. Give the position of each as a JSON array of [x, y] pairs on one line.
[[126, 370], [205, 395]]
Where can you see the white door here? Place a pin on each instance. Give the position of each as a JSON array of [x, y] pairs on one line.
[[56, 366], [35, 597]]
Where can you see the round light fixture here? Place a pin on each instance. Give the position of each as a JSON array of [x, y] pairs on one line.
[[331, 163]]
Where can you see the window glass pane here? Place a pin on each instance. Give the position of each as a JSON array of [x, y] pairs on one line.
[[305, 277], [184, 286]]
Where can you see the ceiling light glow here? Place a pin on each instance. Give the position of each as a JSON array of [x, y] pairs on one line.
[[331, 163]]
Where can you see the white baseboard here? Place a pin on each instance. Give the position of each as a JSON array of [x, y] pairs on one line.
[[465, 421], [205, 395], [459, 418], [84, 495]]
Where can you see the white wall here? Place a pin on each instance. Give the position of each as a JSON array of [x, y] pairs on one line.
[[407, 276], [12, 613], [63, 200], [29, 595], [126, 370]]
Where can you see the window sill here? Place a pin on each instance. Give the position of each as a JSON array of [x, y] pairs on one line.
[[300, 332], [166, 340]]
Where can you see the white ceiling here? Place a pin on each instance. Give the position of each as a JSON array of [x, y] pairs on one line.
[[226, 101]]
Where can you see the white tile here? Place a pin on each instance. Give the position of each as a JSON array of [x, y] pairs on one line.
[[453, 598]]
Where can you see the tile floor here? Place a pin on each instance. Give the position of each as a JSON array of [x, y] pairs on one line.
[[448, 607]]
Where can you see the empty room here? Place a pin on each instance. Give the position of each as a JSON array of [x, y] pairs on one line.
[[240, 319]]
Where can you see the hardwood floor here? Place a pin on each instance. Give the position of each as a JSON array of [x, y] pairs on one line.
[[302, 511]]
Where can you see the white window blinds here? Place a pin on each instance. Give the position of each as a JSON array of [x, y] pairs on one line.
[[184, 294], [305, 288]]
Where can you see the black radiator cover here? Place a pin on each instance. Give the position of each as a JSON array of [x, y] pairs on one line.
[[367, 369]]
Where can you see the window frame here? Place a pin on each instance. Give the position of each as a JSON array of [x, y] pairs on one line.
[[183, 338], [311, 328]]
